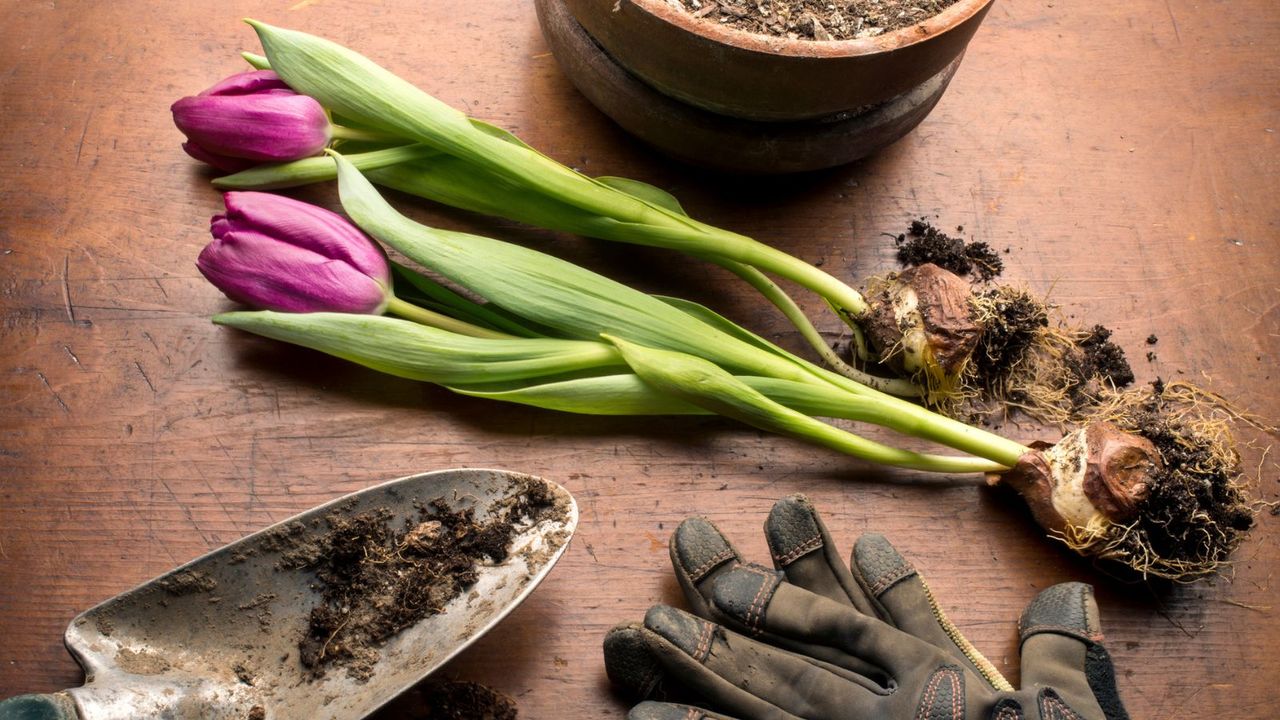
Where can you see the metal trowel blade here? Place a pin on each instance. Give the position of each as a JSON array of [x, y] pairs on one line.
[[219, 636]]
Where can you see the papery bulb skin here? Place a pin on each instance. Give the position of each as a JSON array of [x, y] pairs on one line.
[[275, 253], [250, 118], [1094, 478], [921, 323]]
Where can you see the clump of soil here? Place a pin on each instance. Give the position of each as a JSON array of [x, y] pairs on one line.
[[1029, 359], [1096, 362], [460, 700], [924, 243], [1196, 512], [1011, 320], [188, 582], [815, 19], [376, 580]]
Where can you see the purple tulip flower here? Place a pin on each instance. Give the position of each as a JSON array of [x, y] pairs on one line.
[[274, 253], [249, 118]]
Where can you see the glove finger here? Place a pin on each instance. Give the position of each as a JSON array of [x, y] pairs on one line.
[[699, 553], [761, 603], [666, 711], [1061, 649], [630, 664], [802, 548], [871, 676], [743, 677], [905, 601]]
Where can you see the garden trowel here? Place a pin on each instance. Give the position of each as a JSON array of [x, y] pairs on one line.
[[220, 636]]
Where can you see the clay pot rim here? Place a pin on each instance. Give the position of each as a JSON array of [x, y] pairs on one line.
[[928, 28]]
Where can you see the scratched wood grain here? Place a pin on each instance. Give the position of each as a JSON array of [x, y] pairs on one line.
[[1125, 152]]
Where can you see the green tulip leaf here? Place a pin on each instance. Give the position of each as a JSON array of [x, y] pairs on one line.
[[417, 352], [644, 191]]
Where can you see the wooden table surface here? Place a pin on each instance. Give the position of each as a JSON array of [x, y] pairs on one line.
[[1125, 152]]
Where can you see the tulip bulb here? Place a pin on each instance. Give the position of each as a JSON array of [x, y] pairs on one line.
[[920, 324], [1089, 483]]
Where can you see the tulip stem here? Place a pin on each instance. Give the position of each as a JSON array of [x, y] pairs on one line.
[[342, 132], [430, 318], [774, 294]]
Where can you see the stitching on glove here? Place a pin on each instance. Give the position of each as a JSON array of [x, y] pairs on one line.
[[1008, 712], [926, 700], [1052, 707], [1062, 629], [703, 649], [706, 567], [951, 675], [1084, 613], [891, 576], [755, 613], [801, 550]]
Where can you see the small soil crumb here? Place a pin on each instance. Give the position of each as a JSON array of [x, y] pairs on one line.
[[258, 601], [375, 581], [1196, 512], [924, 243], [1152, 339], [104, 624], [459, 700], [815, 19], [188, 582], [257, 712], [141, 662]]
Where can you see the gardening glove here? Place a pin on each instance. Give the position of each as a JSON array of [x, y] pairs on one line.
[[822, 641]]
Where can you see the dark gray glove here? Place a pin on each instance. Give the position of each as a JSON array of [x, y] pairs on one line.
[[818, 641]]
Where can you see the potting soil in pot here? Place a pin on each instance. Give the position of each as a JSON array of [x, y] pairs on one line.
[[816, 19]]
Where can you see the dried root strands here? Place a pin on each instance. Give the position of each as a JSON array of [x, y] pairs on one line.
[[1153, 483], [1198, 510], [1028, 359]]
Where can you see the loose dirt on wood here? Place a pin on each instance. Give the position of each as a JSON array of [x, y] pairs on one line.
[[924, 243], [1097, 360], [815, 19], [459, 700]]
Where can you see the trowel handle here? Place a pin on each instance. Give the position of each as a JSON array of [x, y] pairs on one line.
[[39, 707]]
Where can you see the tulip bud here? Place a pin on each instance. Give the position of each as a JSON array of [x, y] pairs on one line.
[[249, 118], [275, 253]]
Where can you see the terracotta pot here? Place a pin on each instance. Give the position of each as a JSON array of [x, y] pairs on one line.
[[741, 74], [706, 138]]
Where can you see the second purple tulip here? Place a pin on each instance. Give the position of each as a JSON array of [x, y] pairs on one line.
[[276, 253], [249, 118]]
